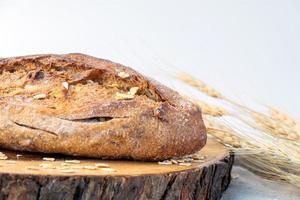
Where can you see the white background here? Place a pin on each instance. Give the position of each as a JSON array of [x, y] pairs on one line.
[[244, 47], [241, 47]]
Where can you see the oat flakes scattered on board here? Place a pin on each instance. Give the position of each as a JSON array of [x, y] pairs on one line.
[[65, 164], [67, 171], [185, 164], [3, 157], [48, 159], [72, 161], [18, 156], [166, 162], [198, 157], [174, 161], [108, 170], [198, 161], [90, 167]]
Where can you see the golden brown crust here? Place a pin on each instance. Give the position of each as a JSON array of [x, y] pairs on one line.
[[80, 105]]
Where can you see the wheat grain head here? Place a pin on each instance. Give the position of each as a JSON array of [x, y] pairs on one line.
[[200, 85]]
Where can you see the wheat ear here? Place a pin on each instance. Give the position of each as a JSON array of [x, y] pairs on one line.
[[211, 110], [278, 158], [275, 128], [200, 85], [223, 133]]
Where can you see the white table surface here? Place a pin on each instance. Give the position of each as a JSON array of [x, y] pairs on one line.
[[246, 48]]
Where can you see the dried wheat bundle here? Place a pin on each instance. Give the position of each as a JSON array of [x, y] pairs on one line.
[[266, 143]]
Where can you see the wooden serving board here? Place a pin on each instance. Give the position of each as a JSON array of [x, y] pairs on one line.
[[28, 176]]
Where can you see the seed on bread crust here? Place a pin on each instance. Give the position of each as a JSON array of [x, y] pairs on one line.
[[40, 96], [133, 90], [65, 85], [123, 74], [121, 96]]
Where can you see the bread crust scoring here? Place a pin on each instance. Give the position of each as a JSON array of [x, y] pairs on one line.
[[76, 104]]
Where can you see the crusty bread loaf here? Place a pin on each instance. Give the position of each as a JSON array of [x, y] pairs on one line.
[[80, 105]]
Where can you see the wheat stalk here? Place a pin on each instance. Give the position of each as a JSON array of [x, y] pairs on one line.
[[223, 133], [279, 124], [264, 159], [271, 149], [268, 167]]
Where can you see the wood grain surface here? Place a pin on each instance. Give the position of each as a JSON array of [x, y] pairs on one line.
[[30, 176]]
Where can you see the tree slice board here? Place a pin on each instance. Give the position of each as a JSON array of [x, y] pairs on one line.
[[28, 176]]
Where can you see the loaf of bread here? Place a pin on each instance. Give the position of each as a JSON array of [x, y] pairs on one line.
[[76, 104]]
